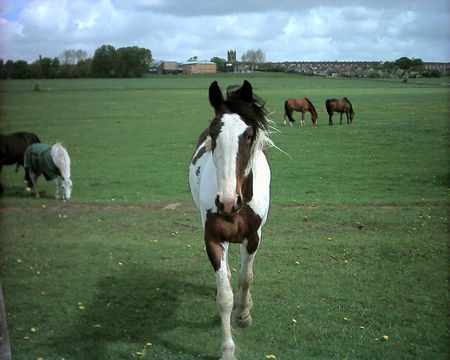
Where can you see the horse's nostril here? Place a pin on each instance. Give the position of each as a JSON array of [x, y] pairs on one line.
[[219, 205], [238, 203]]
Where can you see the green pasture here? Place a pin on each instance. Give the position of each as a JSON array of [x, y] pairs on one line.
[[353, 261]]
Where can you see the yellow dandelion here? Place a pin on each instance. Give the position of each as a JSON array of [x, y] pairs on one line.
[[270, 356], [34, 329], [385, 338], [294, 321]]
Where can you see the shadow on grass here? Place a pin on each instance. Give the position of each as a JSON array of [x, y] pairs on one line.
[[132, 308]]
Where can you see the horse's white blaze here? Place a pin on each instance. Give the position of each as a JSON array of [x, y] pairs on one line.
[[225, 155]]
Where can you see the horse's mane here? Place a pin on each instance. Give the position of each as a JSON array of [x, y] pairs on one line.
[[312, 106], [61, 159], [351, 106], [253, 113]]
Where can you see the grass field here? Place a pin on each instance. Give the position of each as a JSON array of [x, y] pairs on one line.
[[355, 247]]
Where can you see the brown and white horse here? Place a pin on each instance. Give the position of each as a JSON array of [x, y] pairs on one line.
[[229, 177], [300, 105], [343, 106]]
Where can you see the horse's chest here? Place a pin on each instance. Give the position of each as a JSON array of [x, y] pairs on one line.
[[243, 225]]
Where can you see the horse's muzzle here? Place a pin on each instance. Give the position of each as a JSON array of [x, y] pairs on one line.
[[229, 205]]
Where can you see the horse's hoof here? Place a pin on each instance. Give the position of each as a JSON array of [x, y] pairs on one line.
[[238, 321]]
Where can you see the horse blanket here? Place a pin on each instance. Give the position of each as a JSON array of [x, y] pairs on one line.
[[38, 158]]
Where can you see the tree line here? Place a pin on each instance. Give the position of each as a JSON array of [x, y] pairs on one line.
[[107, 61]]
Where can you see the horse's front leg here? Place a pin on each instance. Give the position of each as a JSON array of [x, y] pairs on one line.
[[340, 122], [57, 196], [303, 118], [218, 255], [244, 303], [330, 120]]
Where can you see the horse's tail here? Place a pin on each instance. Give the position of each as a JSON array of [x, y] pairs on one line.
[[313, 109], [328, 106], [287, 112]]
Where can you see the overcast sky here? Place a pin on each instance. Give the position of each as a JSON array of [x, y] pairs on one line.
[[323, 30]]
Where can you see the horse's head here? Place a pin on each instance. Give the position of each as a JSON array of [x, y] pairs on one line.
[[66, 185], [238, 123], [352, 115], [62, 161]]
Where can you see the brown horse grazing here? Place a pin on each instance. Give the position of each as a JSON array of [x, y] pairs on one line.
[[12, 149], [341, 106], [300, 105]]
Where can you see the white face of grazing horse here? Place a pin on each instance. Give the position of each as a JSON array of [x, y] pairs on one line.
[[231, 144]]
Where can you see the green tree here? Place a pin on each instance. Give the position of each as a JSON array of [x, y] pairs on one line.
[[21, 70], [132, 61], [104, 61], [219, 62]]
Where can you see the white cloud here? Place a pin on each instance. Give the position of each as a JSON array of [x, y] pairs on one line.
[[179, 29]]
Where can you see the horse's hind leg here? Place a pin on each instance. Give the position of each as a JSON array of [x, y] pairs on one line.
[[33, 178], [242, 310], [27, 181]]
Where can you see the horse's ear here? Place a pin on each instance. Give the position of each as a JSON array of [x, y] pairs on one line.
[[246, 91], [215, 96]]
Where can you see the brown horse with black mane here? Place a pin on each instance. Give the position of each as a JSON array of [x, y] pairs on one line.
[[300, 105], [341, 106]]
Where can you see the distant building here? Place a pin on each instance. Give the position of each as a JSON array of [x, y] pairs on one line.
[[437, 66], [231, 56], [168, 68], [198, 67]]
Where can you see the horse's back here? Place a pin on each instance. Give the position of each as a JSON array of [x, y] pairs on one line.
[[13, 146]]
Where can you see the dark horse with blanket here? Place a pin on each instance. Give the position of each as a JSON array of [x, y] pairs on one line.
[[12, 149]]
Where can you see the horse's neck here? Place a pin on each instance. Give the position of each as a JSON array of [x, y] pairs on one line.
[[62, 160]]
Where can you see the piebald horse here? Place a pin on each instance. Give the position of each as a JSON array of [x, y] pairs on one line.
[[342, 106], [53, 162], [229, 177], [300, 105]]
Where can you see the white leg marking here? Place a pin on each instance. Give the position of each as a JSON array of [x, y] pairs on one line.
[[224, 303], [244, 302], [56, 188]]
